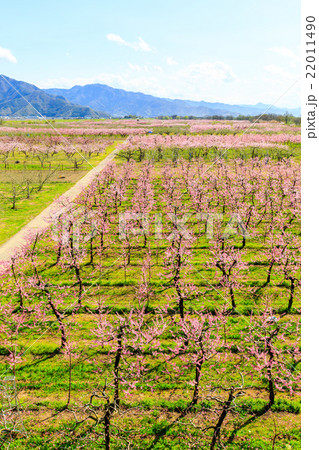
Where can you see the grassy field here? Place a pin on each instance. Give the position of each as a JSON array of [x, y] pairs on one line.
[[12, 220], [131, 364], [28, 187]]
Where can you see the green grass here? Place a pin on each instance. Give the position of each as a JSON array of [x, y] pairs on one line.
[[13, 220], [245, 154], [44, 372], [33, 160]]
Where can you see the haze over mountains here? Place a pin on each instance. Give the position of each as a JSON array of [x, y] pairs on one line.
[[98, 100], [119, 103]]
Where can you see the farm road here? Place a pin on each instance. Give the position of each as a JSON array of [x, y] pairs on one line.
[[46, 218]]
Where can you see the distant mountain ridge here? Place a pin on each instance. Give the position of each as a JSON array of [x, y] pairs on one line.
[[12, 104], [119, 103], [17, 99]]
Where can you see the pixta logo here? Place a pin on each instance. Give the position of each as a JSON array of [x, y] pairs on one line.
[[75, 226], [139, 224]]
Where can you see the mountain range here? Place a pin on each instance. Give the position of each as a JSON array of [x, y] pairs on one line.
[[99, 100], [119, 103], [20, 99]]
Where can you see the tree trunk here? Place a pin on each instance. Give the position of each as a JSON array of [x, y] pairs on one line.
[[292, 290], [199, 364], [91, 252], [107, 420], [116, 367], [19, 288], [58, 318], [269, 273], [271, 386], [232, 296], [271, 392], [221, 419], [78, 276]]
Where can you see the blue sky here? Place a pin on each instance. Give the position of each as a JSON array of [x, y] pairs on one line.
[[229, 51]]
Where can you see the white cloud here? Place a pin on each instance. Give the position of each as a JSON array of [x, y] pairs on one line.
[[142, 45], [147, 68], [170, 61], [139, 45], [209, 81], [281, 84], [116, 38], [209, 72], [203, 81], [135, 67], [287, 54], [7, 55], [279, 71]]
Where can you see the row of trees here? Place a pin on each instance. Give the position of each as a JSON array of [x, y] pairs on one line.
[[233, 218], [244, 218], [29, 155], [286, 118], [138, 350]]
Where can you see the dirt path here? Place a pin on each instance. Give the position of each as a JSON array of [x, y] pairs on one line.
[[43, 220]]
